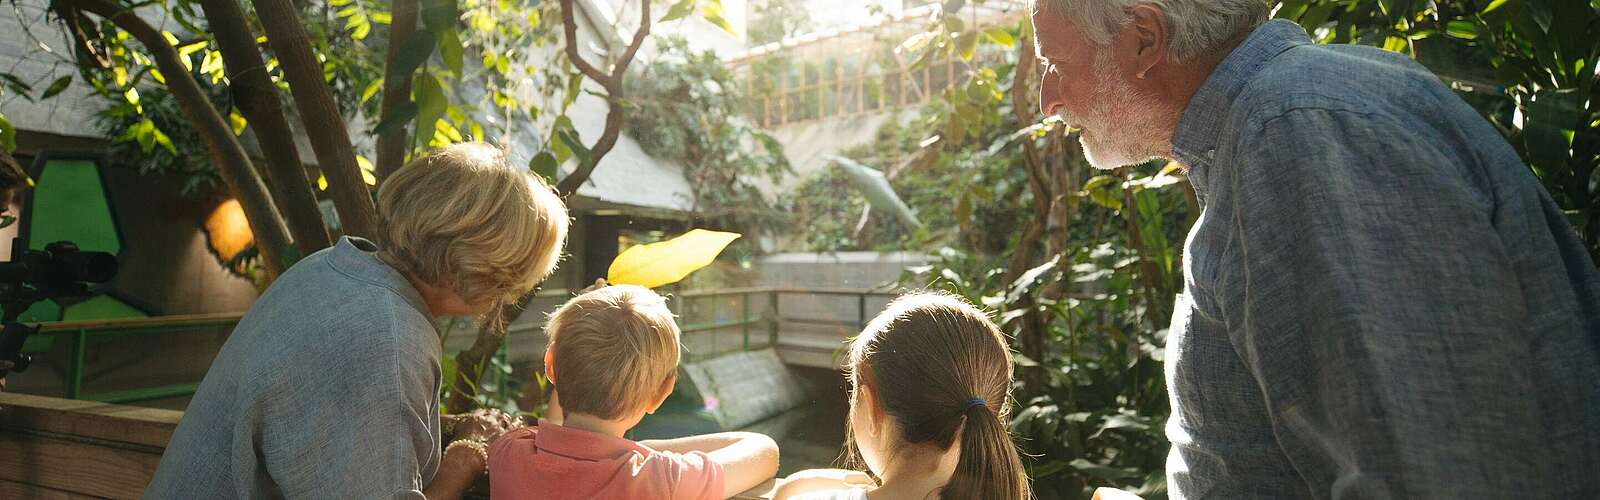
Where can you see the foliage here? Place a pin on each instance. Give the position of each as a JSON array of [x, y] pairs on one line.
[[778, 19], [688, 108], [1528, 65]]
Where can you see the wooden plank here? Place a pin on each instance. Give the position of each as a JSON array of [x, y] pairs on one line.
[[25, 491], [81, 466], [89, 419], [156, 322]]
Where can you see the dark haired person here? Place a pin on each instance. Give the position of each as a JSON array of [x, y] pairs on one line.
[[13, 181]]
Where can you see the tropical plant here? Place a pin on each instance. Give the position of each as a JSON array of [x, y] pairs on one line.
[[1528, 65]]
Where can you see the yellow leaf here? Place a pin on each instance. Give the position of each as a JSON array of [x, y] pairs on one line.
[[666, 262], [322, 182], [237, 122]]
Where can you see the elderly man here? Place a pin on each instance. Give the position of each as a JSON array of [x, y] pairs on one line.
[[1381, 301]]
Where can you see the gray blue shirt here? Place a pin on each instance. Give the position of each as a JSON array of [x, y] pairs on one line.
[[326, 389], [1381, 300]]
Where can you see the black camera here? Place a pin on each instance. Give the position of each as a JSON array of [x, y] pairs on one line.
[[59, 271]]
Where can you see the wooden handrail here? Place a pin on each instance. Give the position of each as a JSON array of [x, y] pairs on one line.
[[154, 322]]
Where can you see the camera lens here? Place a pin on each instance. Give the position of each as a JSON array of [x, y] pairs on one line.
[[93, 267]]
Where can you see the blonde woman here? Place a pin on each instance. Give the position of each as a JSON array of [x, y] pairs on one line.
[[328, 387]]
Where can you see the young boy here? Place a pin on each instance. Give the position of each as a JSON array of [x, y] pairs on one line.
[[613, 357]]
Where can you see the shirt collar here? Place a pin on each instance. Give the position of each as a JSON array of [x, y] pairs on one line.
[[358, 258], [1199, 131], [579, 443]]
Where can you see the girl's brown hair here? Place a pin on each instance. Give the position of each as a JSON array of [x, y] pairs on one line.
[[941, 369]]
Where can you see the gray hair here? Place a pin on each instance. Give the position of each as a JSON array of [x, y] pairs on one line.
[[1198, 26]]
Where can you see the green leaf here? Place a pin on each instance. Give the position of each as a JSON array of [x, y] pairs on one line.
[[1547, 130], [439, 15], [413, 52], [1493, 5], [431, 102], [967, 45], [1464, 30], [8, 135], [569, 137], [712, 11], [398, 117], [450, 50], [56, 87], [544, 164], [678, 11], [1001, 35], [953, 6]]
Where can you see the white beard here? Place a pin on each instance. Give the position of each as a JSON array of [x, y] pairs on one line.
[[1122, 126]]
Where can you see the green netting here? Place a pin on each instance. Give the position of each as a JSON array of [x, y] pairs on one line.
[[69, 203]]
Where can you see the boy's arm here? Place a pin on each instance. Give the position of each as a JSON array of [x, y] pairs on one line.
[[747, 459]]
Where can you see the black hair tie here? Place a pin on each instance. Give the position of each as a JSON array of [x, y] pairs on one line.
[[974, 403]]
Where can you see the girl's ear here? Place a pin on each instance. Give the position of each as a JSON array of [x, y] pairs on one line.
[[868, 402]]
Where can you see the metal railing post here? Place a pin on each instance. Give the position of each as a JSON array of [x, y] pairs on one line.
[[773, 319], [861, 312], [744, 317], [75, 364]]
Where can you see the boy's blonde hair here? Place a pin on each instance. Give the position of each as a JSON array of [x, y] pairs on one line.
[[464, 218], [611, 349]]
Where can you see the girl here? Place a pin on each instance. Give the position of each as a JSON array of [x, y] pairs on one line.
[[930, 378]]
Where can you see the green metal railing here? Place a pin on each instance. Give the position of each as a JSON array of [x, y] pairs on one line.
[[750, 318], [78, 333]]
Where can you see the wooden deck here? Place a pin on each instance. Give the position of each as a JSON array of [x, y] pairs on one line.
[[53, 448]]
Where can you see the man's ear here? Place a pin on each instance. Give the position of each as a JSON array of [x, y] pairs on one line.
[[1145, 38]]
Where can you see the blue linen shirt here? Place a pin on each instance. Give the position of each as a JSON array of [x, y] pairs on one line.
[[1381, 301], [327, 388]]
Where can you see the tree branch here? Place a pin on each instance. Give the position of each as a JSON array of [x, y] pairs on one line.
[[396, 89], [324, 124], [613, 84], [272, 240], [258, 101]]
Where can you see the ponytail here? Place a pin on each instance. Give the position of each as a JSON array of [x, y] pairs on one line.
[[989, 466]]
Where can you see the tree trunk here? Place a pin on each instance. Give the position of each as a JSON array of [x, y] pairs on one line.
[[392, 145], [258, 101], [1032, 330], [326, 127], [271, 239], [469, 363]]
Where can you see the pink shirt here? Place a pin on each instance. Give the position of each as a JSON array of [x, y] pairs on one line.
[[573, 463]]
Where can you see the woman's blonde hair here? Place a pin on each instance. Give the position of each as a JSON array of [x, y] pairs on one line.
[[464, 218]]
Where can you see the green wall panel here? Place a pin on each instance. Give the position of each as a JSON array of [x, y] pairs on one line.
[[69, 203]]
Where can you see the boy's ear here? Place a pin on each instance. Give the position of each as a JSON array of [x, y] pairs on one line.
[[549, 367], [664, 392]]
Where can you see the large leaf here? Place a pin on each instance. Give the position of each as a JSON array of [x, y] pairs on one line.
[[1551, 117], [439, 15], [431, 103], [413, 52], [450, 50], [667, 262]]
